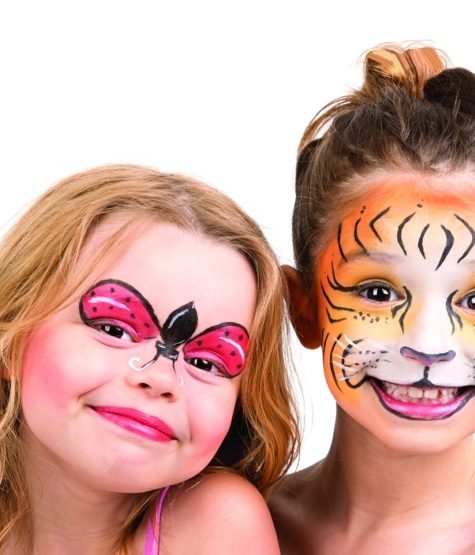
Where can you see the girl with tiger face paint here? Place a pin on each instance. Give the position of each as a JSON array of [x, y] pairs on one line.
[[384, 241], [396, 304]]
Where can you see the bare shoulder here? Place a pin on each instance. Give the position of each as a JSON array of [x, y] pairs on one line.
[[215, 514], [291, 505]]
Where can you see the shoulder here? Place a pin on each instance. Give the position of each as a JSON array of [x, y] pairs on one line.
[[215, 514]]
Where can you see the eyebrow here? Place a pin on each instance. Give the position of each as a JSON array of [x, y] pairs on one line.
[[374, 256]]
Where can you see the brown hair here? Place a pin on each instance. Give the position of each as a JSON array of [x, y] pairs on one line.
[[411, 114], [39, 273]]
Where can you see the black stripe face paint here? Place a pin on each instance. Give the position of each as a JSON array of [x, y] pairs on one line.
[[396, 298]]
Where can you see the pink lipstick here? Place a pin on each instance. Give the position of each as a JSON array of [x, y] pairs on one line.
[[137, 422], [445, 403]]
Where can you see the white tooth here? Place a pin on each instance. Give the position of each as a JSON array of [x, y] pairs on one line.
[[402, 389], [415, 392], [431, 393]]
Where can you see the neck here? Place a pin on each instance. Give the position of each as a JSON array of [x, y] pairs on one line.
[[380, 482]]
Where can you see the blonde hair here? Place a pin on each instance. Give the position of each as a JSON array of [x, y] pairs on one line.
[[410, 114], [39, 273]]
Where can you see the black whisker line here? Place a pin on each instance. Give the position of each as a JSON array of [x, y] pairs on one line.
[[421, 239], [340, 248], [449, 243], [356, 238], [375, 219], [472, 242], [406, 305], [347, 351], [334, 306], [332, 369], [399, 232], [452, 314]]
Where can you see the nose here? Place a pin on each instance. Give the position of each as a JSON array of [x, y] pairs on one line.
[[158, 379], [426, 359], [429, 337]]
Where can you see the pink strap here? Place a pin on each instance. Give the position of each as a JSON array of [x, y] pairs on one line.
[[152, 539]]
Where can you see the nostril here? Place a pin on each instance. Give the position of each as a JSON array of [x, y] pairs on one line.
[[144, 385], [426, 358]]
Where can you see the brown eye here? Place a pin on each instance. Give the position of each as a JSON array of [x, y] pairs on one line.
[[378, 293], [114, 331], [468, 301], [201, 364], [207, 366]]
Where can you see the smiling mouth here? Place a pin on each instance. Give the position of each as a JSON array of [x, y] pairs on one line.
[[136, 422], [421, 403]]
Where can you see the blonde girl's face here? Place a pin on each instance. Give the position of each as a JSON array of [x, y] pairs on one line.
[[396, 311], [133, 385]]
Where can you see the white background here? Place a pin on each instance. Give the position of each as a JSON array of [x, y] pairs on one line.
[[216, 89]]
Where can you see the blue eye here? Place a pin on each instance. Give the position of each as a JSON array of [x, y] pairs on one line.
[[378, 292], [468, 301]]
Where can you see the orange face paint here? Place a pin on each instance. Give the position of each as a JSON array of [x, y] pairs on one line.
[[396, 298]]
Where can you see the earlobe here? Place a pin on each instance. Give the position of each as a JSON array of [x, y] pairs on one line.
[[302, 310]]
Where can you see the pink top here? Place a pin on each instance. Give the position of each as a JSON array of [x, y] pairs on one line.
[[152, 537]]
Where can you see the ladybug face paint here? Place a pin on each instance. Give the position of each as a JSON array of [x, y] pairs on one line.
[[117, 429], [120, 310], [115, 305]]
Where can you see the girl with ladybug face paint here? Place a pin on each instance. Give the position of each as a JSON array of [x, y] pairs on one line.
[[137, 374], [385, 285]]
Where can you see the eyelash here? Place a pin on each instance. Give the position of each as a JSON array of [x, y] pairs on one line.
[[393, 294], [220, 369], [461, 303], [101, 326]]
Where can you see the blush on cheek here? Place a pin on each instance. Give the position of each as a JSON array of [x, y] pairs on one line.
[[43, 375], [210, 424]]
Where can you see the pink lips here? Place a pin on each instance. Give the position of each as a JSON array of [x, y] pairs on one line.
[[416, 411], [137, 422]]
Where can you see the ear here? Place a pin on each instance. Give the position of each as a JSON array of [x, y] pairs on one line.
[[302, 310]]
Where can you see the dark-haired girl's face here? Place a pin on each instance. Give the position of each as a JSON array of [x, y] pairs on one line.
[[133, 385], [396, 301]]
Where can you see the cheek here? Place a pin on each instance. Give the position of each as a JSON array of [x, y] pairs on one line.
[[210, 414], [41, 370], [465, 331], [54, 369]]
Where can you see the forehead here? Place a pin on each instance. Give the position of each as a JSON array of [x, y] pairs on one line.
[[171, 267], [406, 214]]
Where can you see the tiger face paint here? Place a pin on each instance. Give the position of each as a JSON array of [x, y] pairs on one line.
[[396, 298]]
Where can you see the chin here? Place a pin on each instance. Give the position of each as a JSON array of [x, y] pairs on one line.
[[407, 436]]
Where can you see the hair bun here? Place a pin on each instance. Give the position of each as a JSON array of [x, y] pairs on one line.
[[454, 89], [393, 65]]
